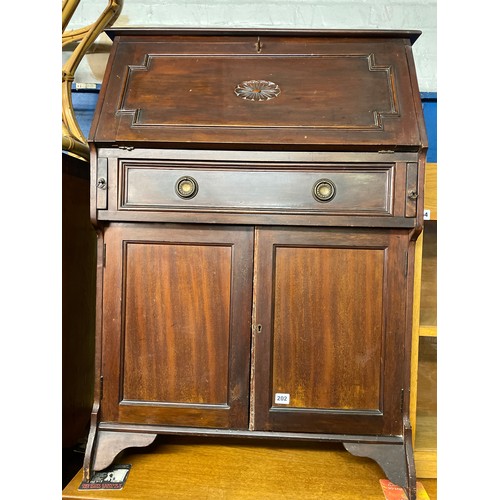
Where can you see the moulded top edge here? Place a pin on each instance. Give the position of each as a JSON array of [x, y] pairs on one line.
[[412, 35], [225, 156]]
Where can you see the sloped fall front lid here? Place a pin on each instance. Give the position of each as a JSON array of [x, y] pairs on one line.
[[302, 90]]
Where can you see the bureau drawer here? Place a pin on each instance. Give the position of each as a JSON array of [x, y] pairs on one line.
[[364, 190]]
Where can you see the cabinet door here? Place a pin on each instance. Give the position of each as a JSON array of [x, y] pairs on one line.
[[176, 325], [329, 330]]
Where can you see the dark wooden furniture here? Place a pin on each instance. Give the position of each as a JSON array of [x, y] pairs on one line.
[[257, 196], [78, 301]]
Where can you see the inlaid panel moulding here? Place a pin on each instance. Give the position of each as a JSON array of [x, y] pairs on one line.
[[168, 87]]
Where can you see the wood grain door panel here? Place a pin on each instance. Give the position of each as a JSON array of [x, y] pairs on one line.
[[178, 303], [327, 351]]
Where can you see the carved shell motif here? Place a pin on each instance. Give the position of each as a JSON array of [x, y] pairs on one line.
[[257, 90]]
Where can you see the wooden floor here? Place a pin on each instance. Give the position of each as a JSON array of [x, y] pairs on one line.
[[209, 468]]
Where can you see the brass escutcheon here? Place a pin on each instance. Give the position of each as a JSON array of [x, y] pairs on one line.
[[324, 190], [186, 187]]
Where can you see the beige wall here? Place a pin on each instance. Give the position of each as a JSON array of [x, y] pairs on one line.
[[320, 14]]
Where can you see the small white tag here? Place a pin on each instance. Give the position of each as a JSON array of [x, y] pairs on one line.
[[85, 86], [427, 215], [281, 399]]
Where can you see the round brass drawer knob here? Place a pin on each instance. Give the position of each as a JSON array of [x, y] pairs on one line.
[[324, 190], [186, 187]]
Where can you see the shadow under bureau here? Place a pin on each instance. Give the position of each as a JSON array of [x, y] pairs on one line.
[[257, 196]]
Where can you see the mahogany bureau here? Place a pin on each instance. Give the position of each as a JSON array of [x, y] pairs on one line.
[[257, 196]]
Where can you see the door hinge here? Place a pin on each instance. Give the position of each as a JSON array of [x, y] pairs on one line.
[[406, 264], [402, 400], [101, 385], [104, 255]]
